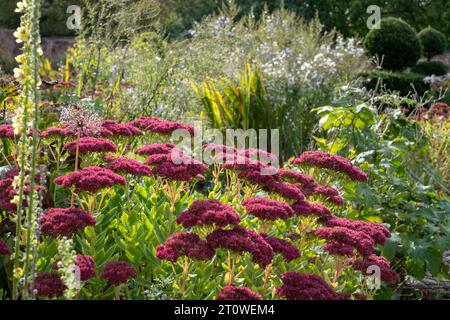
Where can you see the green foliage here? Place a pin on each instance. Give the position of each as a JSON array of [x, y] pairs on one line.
[[404, 83], [433, 42], [403, 188], [241, 106], [429, 68], [395, 43]]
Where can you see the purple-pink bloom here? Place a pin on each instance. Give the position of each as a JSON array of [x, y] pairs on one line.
[[4, 249], [165, 148], [90, 179], [357, 239], [86, 265], [90, 144], [282, 247], [65, 221], [332, 162], [240, 239], [306, 208], [376, 231], [337, 248], [56, 131], [305, 286], [121, 129], [127, 165], [49, 285], [118, 272], [387, 274], [208, 212], [184, 244], [231, 292], [7, 131], [268, 209], [158, 125]]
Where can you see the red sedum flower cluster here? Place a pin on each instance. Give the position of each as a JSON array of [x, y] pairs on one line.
[[120, 129], [283, 247], [49, 285], [90, 179], [268, 209], [161, 126], [125, 165], [305, 286], [208, 212], [65, 221], [90, 144], [118, 272], [4, 249], [387, 274], [240, 239], [331, 162], [184, 244], [231, 292]]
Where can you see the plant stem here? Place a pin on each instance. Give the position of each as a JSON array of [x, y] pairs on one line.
[[77, 150]]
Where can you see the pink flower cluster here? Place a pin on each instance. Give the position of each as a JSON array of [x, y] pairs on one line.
[[332, 162], [65, 221], [184, 244], [7, 191], [7, 131], [171, 163], [387, 274], [339, 249], [150, 149], [329, 193], [118, 272], [161, 126], [90, 179], [49, 285], [240, 239], [208, 212], [357, 239], [127, 165], [268, 209], [4, 249], [56, 131], [306, 208], [306, 286], [231, 154], [90, 144], [231, 292], [283, 247], [120, 129], [376, 231], [86, 264]]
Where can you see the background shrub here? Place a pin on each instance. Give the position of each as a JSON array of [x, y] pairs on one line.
[[429, 68], [433, 42], [6, 62], [396, 41], [396, 81]]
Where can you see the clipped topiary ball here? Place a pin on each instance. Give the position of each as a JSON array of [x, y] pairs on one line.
[[433, 42], [429, 68], [396, 41]]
